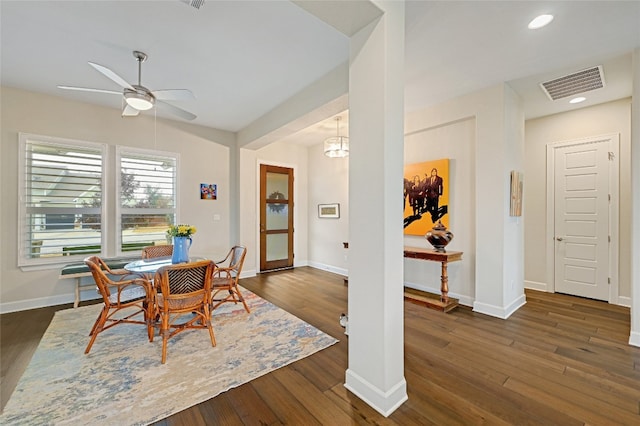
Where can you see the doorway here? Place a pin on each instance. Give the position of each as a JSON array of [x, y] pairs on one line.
[[276, 217], [582, 195]]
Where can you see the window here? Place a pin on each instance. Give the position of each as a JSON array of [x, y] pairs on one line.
[[65, 194], [146, 197], [61, 200]]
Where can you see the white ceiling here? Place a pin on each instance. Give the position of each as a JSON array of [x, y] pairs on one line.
[[243, 58]]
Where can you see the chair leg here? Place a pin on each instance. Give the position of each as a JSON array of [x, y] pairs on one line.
[[211, 335], [148, 319], [152, 321], [164, 348], [207, 320], [242, 300], [97, 328], [165, 336], [95, 325], [150, 329], [234, 296]]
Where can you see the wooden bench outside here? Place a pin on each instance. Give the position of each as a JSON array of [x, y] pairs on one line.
[[78, 270]]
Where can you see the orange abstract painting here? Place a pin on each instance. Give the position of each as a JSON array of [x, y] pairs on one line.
[[426, 196]]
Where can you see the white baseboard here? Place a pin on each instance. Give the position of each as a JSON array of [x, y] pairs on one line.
[[384, 402], [499, 311], [248, 273], [535, 285], [462, 299], [624, 301], [634, 338], [42, 302], [329, 268]]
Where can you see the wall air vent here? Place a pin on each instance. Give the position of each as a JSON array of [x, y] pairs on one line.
[[194, 3], [572, 84]]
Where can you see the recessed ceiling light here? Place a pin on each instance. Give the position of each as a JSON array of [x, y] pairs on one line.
[[577, 100], [540, 21]]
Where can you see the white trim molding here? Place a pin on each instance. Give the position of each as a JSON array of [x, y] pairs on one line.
[[498, 311]]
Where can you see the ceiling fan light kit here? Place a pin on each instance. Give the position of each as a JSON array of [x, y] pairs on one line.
[[139, 100]]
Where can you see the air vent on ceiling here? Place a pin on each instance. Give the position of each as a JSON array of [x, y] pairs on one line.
[[572, 84], [194, 3]]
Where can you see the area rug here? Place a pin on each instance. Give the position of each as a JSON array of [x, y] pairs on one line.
[[122, 380]]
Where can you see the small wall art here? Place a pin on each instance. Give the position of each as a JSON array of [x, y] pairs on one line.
[[515, 208], [208, 191], [331, 211]]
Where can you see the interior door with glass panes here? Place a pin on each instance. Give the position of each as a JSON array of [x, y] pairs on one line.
[[276, 217]]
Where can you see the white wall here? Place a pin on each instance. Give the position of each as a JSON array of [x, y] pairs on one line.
[[513, 268], [278, 154], [455, 141], [204, 157], [611, 117], [490, 120], [496, 131], [328, 183]]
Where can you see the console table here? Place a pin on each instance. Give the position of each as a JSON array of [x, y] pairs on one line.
[[440, 302]]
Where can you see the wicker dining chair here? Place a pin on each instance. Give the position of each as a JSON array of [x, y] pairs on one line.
[[225, 278], [130, 292], [184, 289], [150, 252]]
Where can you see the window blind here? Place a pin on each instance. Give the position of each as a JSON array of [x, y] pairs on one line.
[[147, 198], [61, 199]]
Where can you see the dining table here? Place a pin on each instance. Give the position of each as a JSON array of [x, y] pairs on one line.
[[150, 266]]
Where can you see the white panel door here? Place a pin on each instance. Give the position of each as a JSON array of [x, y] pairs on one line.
[[581, 190]]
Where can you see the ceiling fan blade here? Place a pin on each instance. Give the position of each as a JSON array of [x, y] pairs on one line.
[[173, 94], [176, 111], [129, 111], [111, 75], [88, 89]]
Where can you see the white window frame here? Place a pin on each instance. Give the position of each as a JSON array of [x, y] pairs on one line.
[[27, 262], [122, 151]]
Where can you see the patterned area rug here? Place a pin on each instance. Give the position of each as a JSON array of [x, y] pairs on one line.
[[122, 381]]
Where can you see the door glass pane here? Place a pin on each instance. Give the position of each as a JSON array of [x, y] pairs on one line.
[[277, 186], [277, 247], [277, 216]]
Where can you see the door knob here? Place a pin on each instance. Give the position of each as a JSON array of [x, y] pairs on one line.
[[559, 238]]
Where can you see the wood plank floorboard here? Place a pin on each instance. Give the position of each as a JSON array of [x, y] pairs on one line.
[[558, 360]]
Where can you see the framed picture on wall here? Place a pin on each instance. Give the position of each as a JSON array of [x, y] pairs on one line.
[[426, 196], [329, 211], [208, 191], [515, 207]]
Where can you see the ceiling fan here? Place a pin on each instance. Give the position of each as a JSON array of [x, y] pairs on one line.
[[137, 97]]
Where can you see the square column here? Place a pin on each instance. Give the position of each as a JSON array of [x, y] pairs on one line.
[[376, 134]]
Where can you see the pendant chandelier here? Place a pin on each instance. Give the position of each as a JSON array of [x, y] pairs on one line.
[[336, 146]]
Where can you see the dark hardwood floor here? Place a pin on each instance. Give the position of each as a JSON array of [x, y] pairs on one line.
[[559, 360]]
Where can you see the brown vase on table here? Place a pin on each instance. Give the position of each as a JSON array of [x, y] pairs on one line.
[[439, 236]]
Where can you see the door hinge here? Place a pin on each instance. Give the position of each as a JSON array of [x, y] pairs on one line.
[[609, 238], [608, 280], [611, 156], [609, 196]]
